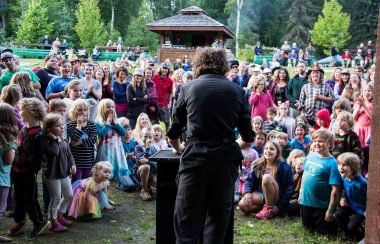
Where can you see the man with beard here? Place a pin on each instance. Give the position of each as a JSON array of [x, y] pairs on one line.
[[293, 89], [164, 86], [210, 107], [47, 73], [9, 61]]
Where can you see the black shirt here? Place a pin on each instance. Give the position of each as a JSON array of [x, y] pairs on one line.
[[45, 76], [211, 107]]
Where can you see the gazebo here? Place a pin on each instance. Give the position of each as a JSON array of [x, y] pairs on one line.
[[181, 34]]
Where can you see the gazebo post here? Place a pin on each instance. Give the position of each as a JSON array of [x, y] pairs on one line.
[[372, 225]]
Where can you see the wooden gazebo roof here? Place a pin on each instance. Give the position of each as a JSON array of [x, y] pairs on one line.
[[190, 19]]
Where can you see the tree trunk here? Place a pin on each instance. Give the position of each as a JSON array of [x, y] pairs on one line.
[[112, 15], [372, 225], [239, 5]]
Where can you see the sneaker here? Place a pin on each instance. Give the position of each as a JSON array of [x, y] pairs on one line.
[[16, 229], [57, 227], [144, 194], [39, 229], [265, 213], [63, 221], [9, 213]]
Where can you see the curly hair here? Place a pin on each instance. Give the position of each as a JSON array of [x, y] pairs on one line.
[[210, 61], [8, 124], [99, 166], [11, 94], [35, 106], [73, 112], [121, 69], [25, 82]]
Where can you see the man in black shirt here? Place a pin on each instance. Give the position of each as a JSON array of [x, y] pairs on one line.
[[47, 73], [210, 107]]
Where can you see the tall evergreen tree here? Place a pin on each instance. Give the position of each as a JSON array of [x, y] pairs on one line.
[[138, 34], [34, 25], [299, 23], [331, 27], [90, 28]]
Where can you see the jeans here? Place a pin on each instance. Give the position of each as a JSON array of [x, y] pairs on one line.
[[56, 187]]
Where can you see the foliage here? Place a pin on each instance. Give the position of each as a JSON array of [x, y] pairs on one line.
[[89, 27], [247, 53], [34, 25], [138, 35], [331, 27], [299, 23]]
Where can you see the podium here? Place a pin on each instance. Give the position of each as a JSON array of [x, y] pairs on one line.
[[167, 170]]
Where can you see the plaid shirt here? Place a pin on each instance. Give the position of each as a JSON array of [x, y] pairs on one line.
[[310, 105]]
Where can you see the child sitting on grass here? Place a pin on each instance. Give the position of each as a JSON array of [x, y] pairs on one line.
[[319, 194], [351, 213], [90, 195]]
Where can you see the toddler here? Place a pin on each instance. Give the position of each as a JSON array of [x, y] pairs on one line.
[[158, 142], [260, 140]]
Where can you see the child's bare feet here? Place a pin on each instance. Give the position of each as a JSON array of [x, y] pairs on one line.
[[110, 207], [113, 203]]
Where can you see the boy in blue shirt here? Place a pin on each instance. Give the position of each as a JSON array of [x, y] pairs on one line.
[[351, 213], [319, 194]]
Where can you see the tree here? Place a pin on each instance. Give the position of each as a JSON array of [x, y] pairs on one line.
[[239, 4], [138, 34], [331, 27], [90, 28], [34, 25], [299, 23]]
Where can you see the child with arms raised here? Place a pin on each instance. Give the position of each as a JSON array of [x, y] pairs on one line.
[[351, 213], [82, 134], [91, 194], [319, 194], [59, 165], [8, 145], [110, 132]]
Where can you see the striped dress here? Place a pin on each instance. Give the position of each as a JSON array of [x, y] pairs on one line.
[[84, 154]]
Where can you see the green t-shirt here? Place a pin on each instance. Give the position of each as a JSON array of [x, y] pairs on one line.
[[7, 76]]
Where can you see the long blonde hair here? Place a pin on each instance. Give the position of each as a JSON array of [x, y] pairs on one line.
[[134, 83], [25, 82], [101, 116], [136, 134], [258, 168]]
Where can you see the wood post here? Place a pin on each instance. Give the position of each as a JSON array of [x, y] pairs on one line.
[[372, 225]]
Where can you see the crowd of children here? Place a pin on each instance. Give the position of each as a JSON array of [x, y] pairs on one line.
[[298, 162]]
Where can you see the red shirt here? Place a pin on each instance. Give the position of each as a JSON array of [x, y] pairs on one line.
[[164, 87]]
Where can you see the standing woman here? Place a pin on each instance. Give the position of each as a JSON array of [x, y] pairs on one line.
[[106, 82], [278, 87], [92, 90], [353, 89], [341, 84], [119, 86], [335, 78], [152, 106], [137, 97]]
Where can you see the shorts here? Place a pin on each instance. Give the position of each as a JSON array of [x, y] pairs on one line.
[[152, 171], [261, 193], [163, 114]]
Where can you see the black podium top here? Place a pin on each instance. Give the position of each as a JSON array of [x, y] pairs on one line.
[[165, 155]]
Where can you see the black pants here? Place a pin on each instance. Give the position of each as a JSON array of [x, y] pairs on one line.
[[350, 222], [313, 219], [26, 194], [204, 199]]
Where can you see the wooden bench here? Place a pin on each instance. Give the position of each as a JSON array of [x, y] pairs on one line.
[[110, 55]]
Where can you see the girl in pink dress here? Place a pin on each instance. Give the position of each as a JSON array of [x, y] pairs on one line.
[[260, 99], [363, 114]]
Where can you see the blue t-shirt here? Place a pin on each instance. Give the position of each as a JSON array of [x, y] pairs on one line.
[[296, 145], [58, 84], [128, 148], [120, 92], [5, 170], [356, 192], [258, 150], [319, 174]]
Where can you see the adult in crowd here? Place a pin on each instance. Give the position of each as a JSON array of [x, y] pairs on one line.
[[268, 77], [56, 86], [293, 89], [341, 83], [209, 163], [119, 86], [164, 85], [92, 90], [47, 41], [47, 73], [278, 87], [315, 95], [334, 55], [258, 49], [346, 58], [107, 82], [152, 106], [75, 65], [335, 78], [242, 76], [13, 67], [137, 97]]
